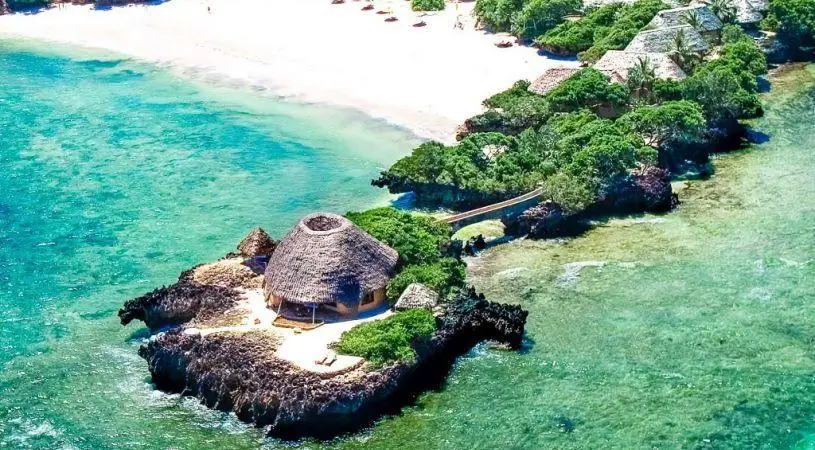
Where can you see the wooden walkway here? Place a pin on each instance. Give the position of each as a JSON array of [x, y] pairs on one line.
[[485, 210]]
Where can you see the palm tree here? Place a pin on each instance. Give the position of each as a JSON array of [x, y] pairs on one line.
[[692, 18], [641, 79], [682, 54], [725, 10]]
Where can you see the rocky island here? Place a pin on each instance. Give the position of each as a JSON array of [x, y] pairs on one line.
[[322, 332]]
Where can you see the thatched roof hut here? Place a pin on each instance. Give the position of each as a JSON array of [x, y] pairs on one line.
[[749, 12], [619, 62], [415, 296], [256, 243], [661, 40], [326, 259], [551, 78], [708, 21]]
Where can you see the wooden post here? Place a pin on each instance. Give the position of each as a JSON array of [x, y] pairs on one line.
[[313, 312]]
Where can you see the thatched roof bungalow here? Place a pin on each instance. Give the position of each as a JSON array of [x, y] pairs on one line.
[[327, 262], [708, 21], [750, 12], [551, 78], [619, 62], [417, 295], [661, 40]]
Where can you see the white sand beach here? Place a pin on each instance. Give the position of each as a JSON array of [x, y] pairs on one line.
[[426, 79]]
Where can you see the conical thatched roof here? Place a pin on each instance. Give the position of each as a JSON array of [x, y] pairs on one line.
[[620, 62], [708, 21], [551, 78], [325, 258], [661, 40], [256, 243], [417, 295]]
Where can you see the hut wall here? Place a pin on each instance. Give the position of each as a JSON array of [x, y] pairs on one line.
[[379, 299]]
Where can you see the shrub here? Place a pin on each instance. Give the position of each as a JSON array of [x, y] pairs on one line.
[[610, 27], [796, 21], [498, 15], [418, 239], [427, 5], [538, 16], [442, 276], [675, 122], [588, 88], [389, 340]]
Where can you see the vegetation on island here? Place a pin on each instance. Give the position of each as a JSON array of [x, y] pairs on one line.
[[582, 138], [391, 339], [794, 20], [423, 244], [609, 27], [427, 5], [526, 19]]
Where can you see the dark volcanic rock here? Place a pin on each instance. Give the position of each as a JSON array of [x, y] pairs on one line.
[[239, 372], [645, 189], [541, 221], [179, 303]]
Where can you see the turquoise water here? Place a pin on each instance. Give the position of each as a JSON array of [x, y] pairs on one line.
[[115, 177], [688, 330]]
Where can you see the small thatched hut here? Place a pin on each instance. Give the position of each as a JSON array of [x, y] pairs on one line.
[[662, 40], [551, 78], [619, 62], [256, 243], [417, 295], [325, 262], [708, 22]]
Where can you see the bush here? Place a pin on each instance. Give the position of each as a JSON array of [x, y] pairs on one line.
[[539, 16], [498, 15], [796, 21], [427, 5], [588, 88], [389, 340], [610, 27], [442, 276], [418, 239]]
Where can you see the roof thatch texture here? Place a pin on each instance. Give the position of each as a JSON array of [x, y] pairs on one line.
[[619, 62], [750, 11], [661, 40], [256, 243], [417, 295], [325, 258], [551, 78], [230, 273], [708, 21]]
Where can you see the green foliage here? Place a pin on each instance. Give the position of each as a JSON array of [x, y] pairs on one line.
[[538, 16], [674, 122], [576, 36], [588, 88], [389, 340], [725, 10], [726, 88], [526, 19], [442, 276], [610, 27], [418, 239], [796, 21], [498, 15], [732, 33], [667, 90], [427, 5]]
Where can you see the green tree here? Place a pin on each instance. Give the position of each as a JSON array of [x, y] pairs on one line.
[[673, 122], [691, 17], [641, 79], [725, 10], [498, 15], [682, 53], [427, 5], [796, 21], [539, 16]]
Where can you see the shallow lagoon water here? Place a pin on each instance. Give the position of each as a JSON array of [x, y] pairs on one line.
[[693, 329]]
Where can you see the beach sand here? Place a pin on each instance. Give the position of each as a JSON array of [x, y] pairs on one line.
[[426, 79]]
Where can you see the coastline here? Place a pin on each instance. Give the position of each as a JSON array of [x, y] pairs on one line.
[[428, 79]]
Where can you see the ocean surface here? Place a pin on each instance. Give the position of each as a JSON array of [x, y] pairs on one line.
[[693, 329]]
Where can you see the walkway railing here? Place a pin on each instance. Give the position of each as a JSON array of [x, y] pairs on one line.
[[494, 207]]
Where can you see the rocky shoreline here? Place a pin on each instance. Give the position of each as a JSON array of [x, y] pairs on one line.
[[239, 372]]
